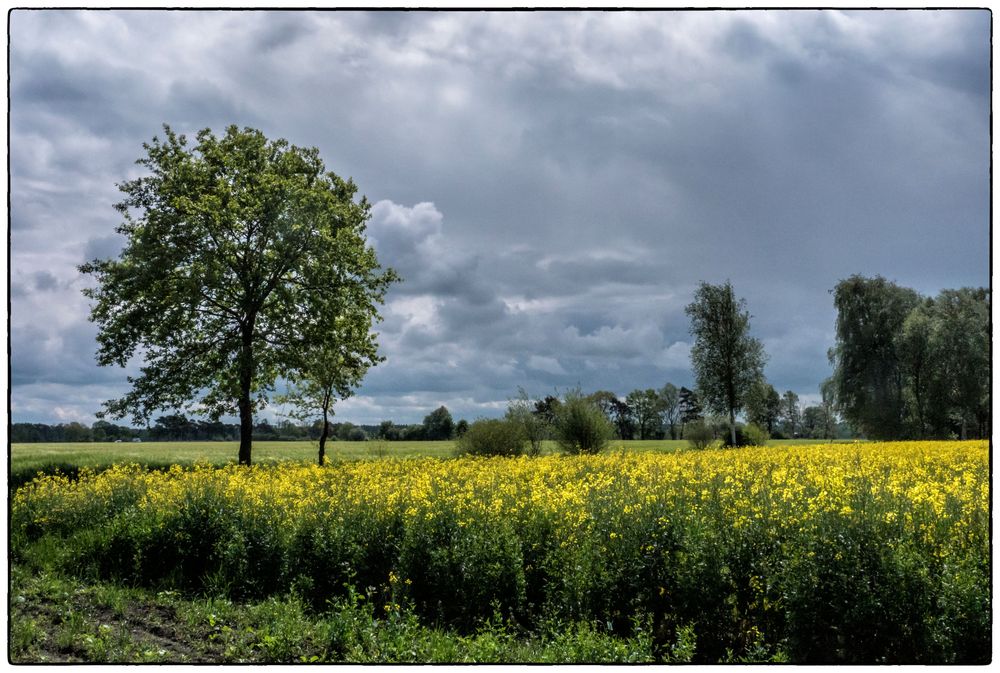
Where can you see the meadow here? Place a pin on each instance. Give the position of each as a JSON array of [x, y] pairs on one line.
[[27, 460], [846, 553]]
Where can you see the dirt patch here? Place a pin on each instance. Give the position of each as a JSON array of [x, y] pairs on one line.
[[143, 631]]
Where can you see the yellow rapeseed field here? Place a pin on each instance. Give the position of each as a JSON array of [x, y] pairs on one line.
[[772, 551], [938, 491]]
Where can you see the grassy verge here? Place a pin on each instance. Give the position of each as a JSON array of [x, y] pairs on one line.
[[57, 619]]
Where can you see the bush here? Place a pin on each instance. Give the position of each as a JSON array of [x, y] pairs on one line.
[[580, 426], [742, 439], [754, 435], [699, 435], [492, 437]]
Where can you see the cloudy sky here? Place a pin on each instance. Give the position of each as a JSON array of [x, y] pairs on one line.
[[552, 186]]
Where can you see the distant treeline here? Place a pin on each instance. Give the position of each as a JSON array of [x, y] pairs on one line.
[[177, 428]]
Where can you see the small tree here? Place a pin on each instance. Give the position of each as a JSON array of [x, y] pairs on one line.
[[726, 359], [327, 371], [581, 427], [533, 427]]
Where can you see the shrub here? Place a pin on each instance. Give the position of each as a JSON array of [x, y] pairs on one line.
[[492, 437], [742, 439], [581, 426], [699, 435], [754, 435]]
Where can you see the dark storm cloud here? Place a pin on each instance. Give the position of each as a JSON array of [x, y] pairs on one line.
[[284, 30], [552, 186]]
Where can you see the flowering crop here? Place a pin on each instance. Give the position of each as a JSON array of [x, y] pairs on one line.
[[834, 552]]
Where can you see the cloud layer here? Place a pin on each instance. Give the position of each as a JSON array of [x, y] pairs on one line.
[[552, 186]]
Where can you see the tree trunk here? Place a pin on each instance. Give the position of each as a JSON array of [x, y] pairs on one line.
[[322, 439], [246, 384], [246, 428], [732, 426]]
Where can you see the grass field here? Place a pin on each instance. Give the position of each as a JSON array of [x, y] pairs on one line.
[[27, 458]]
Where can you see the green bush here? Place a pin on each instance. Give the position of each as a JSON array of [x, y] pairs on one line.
[[492, 437], [754, 435], [580, 426], [699, 435]]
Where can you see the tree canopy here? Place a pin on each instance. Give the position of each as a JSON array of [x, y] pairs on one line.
[[242, 256], [912, 366]]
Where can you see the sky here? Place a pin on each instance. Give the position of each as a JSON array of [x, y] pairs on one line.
[[551, 186]]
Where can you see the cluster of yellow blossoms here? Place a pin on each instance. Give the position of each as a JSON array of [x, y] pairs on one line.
[[935, 491]]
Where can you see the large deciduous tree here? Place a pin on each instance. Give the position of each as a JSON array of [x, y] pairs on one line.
[[960, 348], [867, 357], [725, 358], [240, 252]]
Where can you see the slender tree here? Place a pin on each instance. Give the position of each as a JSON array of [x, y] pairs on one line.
[[725, 358], [690, 407], [670, 402], [235, 251], [331, 367], [790, 413]]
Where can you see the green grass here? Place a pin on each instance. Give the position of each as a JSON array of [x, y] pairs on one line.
[[55, 618]]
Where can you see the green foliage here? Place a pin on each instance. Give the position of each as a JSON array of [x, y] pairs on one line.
[[754, 435], [492, 437], [580, 426], [670, 404], [438, 424], [532, 426], [699, 435], [242, 257], [647, 410], [867, 375], [790, 414], [907, 366], [726, 360]]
